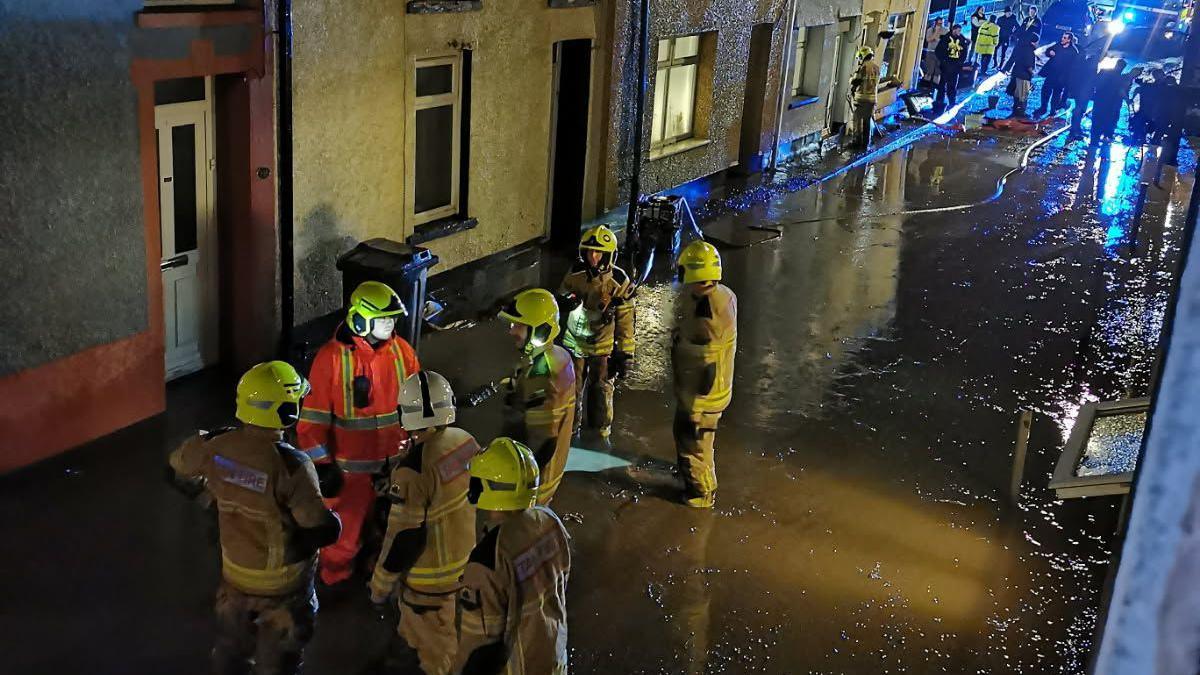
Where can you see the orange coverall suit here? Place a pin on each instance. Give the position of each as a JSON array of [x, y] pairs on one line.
[[356, 426]]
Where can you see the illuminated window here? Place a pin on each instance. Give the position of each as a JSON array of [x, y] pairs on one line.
[[434, 131], [893, 53], [675, 90]]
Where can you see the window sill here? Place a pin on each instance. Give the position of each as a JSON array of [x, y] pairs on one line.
[[677, 148], [568, 4], [442, 227], [442, 6], [888, 86], [801, 101]]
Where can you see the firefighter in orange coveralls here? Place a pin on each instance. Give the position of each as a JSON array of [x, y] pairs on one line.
[[513, 610], [272, 521], [349, 425], [431, 525], [541, 393], [703, 346], [598, 297]]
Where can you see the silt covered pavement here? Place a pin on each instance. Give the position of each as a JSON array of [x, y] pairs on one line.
[[864, 523]]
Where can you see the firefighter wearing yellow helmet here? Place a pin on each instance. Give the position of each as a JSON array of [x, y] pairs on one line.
[[540, 408], [349, 426], [598, 297], [703, 345], [271, 519], [513, 609], [864, 87], [430, 526]]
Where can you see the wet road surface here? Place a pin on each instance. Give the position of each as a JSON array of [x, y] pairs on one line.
[[863, 520]]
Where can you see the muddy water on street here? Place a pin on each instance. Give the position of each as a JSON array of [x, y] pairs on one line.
[[863, 522]]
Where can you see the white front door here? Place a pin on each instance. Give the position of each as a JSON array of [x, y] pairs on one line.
[[185, 189], [843, 61]]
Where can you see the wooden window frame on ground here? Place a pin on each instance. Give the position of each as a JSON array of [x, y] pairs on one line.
[[663, 68], [417, 103]]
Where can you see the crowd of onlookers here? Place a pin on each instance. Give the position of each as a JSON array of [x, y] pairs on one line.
[[964, 53]]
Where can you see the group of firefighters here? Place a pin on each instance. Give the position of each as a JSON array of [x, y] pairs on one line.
[[371, 424]]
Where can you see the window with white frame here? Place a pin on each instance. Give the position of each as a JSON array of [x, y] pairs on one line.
[[434, 131], [893, 53], [806, 67], [675, 90]]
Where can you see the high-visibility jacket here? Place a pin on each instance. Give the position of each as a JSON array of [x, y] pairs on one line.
[[265, 490], [704, 344], [515, 595], [351, 414], [603, 322], [866, 82], [429, 490], [543, 394], [988, 38]]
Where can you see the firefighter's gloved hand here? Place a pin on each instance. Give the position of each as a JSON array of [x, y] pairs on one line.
[[618, 365], [569, 302], [329, 479]]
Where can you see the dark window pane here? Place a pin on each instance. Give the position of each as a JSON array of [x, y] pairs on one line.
[[435, 145], [179, 90], [434, 80], [183, 172]]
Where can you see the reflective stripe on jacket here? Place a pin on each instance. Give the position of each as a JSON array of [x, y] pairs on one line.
[[516, 594], [264, 489], [704, 346], [430, 490], [867, 82], [358, 429], [544, 395], [603, 322]]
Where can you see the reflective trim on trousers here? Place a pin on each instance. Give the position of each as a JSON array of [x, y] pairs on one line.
[[361, 465]]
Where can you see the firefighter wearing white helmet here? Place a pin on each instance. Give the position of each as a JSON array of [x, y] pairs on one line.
[[864, 87], [599, 299], [271, 520], [431, 525], [513, 609], [541, 392], [703, 346]]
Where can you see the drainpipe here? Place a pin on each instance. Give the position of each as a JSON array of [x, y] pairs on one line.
[[639, 111], [283, 171], [783, 85]]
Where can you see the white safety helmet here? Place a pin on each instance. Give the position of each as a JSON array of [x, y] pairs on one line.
[[426, 400]]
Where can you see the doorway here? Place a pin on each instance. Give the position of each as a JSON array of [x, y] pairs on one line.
[[183, 123], [750, 146], [838, 111], [568, 139]]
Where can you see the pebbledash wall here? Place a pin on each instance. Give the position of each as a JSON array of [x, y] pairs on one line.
[[81, 322], [726, 27], [353, 67]]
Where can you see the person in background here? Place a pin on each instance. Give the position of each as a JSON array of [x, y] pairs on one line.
[[989, 38], [932, 37], [1080, 88], [1057, 74], [1031, 23], [977, 20], [1112, 88], [951, 54], [1008, 24], [1149, 94], [1024, 59]]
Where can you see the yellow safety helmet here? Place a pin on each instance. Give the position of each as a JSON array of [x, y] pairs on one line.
[[504, 477], [864, 52], [537, 309], [602, 239], [269, 394], [372, 300], [699, 262]]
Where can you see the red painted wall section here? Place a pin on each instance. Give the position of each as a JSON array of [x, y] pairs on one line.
[[62, 404]]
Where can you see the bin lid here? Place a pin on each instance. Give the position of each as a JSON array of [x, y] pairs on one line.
[[388, 256]]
